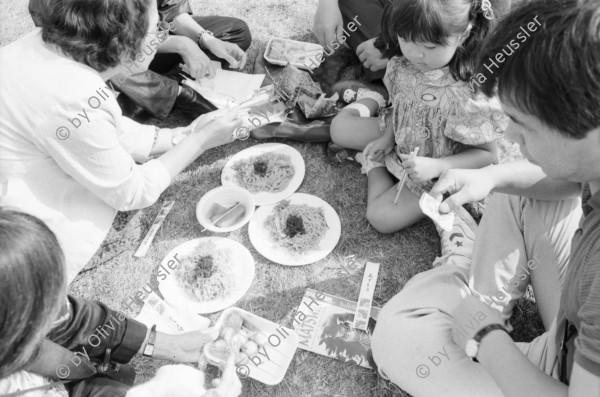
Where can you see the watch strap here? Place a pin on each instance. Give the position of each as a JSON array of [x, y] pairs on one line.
[[149, 348], [486, 330]]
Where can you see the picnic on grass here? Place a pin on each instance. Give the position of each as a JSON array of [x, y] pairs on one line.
[[364, 208]]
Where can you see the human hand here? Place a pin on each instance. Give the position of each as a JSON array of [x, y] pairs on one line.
[[182, 348], [421, 169], [216, 128], [229, 385], [469, 317], [198, 64], [379, 148], [464, 186], [329, 24], [232, 53], [370, 56]]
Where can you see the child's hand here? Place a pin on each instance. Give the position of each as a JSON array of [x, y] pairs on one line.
[[421, 169], [379, 148]]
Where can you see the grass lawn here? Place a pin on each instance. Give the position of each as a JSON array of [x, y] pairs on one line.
[[114, 275]]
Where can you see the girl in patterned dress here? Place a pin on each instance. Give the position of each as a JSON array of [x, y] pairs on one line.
[[432, 85]]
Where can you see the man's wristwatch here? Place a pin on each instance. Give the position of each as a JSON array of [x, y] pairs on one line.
[[149, 349], [199, 38], [472, 346]]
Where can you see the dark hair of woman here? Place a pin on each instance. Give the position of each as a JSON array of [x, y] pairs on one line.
[[97, 33], [32, 287]]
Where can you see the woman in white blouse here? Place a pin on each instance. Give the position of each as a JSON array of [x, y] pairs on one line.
[[67, 155]]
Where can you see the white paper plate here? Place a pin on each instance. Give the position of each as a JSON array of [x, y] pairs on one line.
[[280, 349], [243, 269], [261, 198], [261, 239]]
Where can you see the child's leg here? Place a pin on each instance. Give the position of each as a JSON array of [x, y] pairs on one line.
[[354, 126], [382, 214]]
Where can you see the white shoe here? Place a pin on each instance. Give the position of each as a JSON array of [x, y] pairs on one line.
[[457, 244]]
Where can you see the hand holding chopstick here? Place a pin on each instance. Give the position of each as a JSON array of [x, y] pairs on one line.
[[404, 176]]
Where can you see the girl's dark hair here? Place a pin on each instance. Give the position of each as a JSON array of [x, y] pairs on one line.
[[32, 287], [434, 21], [97, 33], [552, 73]]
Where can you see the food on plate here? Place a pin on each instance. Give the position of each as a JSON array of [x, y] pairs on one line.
[[206, 273], [239, 338], [292, 52], [268, 172], [217, 210], [226, 216], [297, 227]]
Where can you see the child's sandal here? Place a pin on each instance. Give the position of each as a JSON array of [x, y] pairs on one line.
[[339, 155]]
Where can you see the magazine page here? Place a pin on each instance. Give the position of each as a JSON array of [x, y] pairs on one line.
[[324, 326]]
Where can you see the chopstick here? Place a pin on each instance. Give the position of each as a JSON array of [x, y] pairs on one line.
[[404, 176], [219, 219]]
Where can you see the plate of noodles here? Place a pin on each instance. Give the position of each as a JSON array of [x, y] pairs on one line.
[[206, 275], [294, 232], [270, 172]]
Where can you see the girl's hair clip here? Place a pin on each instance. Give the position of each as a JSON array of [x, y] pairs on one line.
[[486, 8]]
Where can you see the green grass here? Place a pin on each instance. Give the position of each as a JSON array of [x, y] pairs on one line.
[[114, 275]]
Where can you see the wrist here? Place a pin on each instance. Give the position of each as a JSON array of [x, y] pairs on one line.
[[488, 347], [441, 166], [494, 176], [178, 135], [162, 142], [474, 344], [165, 347], [145, 342], [204, 38]]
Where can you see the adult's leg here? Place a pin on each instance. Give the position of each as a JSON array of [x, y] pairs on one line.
[[412, 340], [151, 91], [233, 30], [537, 236], [157, 93], [412, 343], [228, 29], [366, 16]]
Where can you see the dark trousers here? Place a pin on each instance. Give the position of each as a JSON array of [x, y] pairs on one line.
[[154, 90], [368, 13]]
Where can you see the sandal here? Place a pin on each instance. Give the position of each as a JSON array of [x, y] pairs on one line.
[[336, 154]]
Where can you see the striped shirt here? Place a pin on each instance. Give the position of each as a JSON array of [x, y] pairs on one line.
[[580, 301]]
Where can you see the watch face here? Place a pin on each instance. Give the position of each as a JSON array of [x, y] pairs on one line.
[[472, 348]]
